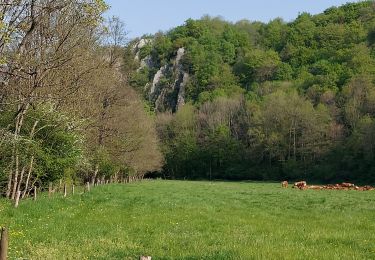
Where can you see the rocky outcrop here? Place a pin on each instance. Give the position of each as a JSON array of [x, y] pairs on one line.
[[167, 89], [181, 79], [181, 91], [146, 61], [138, 46], [179, 56], [155, 83]]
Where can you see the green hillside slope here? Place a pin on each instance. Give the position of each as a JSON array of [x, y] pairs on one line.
[[264, 101]]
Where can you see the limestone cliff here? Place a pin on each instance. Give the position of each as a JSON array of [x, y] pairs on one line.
[[166, 87]]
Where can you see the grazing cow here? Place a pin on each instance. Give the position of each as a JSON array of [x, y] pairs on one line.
[[284, 184], [300, 185], [367, 187], [343, 186], [315, 187], [347, 185], [330, 187]]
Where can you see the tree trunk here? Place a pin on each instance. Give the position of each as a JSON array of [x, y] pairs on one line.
[[33, 129], [4, 244], [95, 174], [22, 108], [32, 132], [10, 177], [15, 181], [18, 195], [20, 180], [28, 177], [115, 178]]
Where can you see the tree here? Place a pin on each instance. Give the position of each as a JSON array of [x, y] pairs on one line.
[[290, 128], [39, 41]]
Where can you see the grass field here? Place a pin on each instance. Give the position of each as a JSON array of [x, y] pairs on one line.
[[194, 220]]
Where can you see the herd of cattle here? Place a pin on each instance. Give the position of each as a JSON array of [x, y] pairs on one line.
[[302, 185]]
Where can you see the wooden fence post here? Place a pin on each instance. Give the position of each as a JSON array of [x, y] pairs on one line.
[[64, 190], [72, 189], [50, 187], [88, 186], [34, 192], [4, 244], [17, 199]]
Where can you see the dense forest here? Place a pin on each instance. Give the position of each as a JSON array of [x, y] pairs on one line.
[[263, 101], [206, 100]]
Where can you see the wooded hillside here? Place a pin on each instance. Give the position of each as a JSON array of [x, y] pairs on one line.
[[264, 101]]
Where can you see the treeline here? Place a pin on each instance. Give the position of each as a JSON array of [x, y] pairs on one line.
[[66, 112], [270, 101]]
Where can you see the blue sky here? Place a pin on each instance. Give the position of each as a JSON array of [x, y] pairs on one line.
[[149, 16]]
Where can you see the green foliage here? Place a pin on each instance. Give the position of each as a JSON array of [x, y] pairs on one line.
[[140, 79], [257, 66], [145, 51], [308, 96], [56, 145], [274, 34], [162, 50]]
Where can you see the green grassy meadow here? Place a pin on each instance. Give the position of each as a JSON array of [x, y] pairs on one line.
[[194, 220]]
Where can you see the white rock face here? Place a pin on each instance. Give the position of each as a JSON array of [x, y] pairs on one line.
[[142, 43], [139, 45], [157, 77], [146, 62], [162, 96], [180, 55], [181, 80], [181, 92], [159, 102]]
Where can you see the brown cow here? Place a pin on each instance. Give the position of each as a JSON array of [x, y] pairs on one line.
[[300, 185], [347, 185], [367, 187], [343, 186], [284, 184], [314, 187]]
